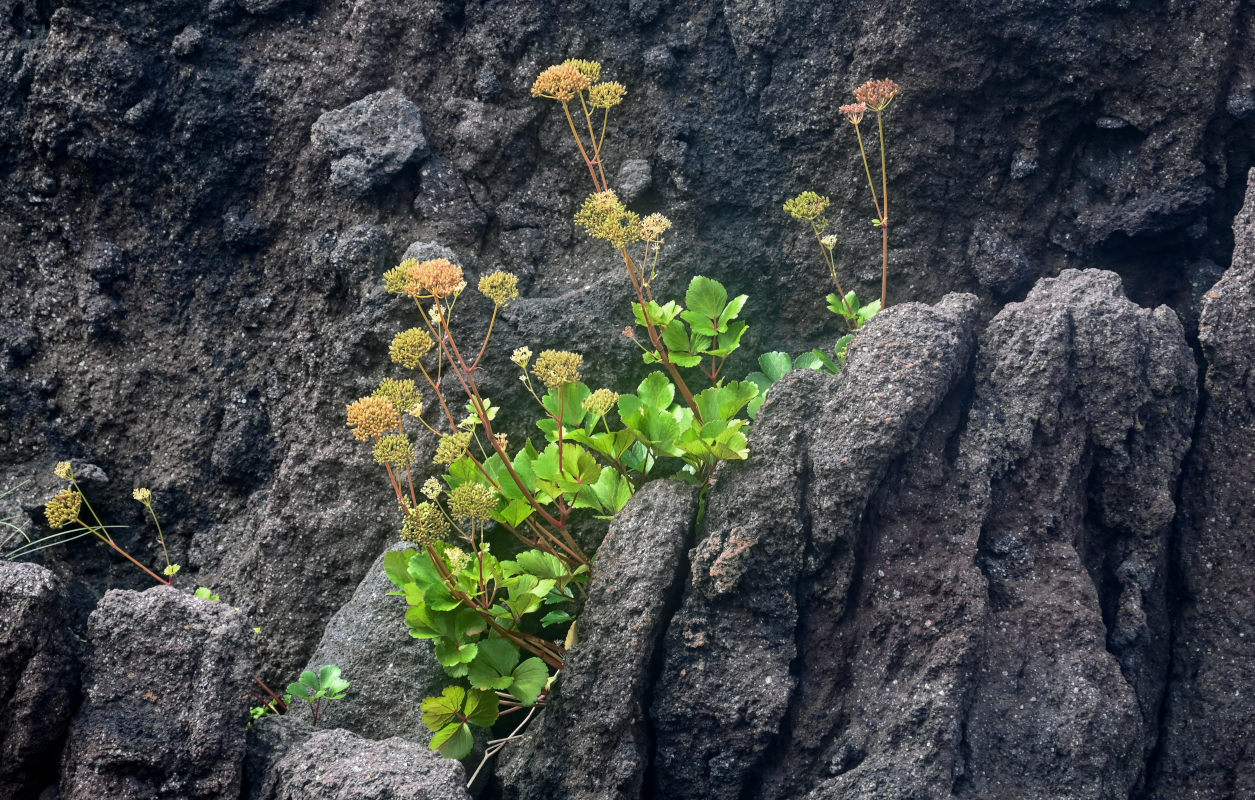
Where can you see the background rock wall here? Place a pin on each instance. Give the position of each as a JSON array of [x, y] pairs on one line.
[[190, 290]]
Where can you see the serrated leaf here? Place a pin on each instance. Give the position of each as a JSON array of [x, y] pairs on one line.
[[656, 391], [556, 618], [492, 666], [515, 512], [454, 740], [396, 565], [542, 564], [482, 708], [731, 311], [775, 365], [440, 711], [706, 296], [530, 678]]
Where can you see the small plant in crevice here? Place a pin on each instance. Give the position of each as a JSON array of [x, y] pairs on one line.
[[318, 688], [874, 97], [502, 625], [70, 506]]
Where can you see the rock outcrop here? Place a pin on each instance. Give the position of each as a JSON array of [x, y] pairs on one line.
[[164, 700], [38, 679]]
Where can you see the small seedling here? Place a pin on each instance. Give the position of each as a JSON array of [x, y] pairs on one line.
[[317, 688]]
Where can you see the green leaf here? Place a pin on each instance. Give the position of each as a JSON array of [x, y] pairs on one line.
[[706, 297], [482, 708], [676, 337], [396, 564], [685, 359], [492, 666], [556, 618], [440, 711], [841, 350], [452, 653], [530, 678], [328, 675], [656, 391], [310, 679], [299, 690], [454, 740], [868, 311], [542, 564], [731, 311], [823, 358], [775, 365], [613, 490], [515, 512]]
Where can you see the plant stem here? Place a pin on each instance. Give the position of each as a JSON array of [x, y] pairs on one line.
[[884, 217]]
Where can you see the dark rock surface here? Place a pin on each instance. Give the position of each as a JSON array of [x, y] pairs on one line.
[[821, 448], [370, 141], [38, 679], [164, 708], [592, 739], [336, 764], [390, 672], [1211, 711]]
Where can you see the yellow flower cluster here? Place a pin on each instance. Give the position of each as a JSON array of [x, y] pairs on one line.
[[432, 489], [472, 501], [808, 206], [404, 394], [521, 356], [451, 447], [408, 347], [64, 470], [372, 417], [600, 402], [424, 524], [458, 559], [562, 82], [556, 367], [437, 278], [500, 287], [395, 449], [589, 69], [605, 217], [606, 95], [63, 509], [654, 226], [877, 95], [144, 496], [829, 241]]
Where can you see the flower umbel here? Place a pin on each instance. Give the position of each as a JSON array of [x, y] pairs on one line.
[[63, 509], [395, 449], [424, 524], [472, 501], [877, 94], [432, 488], [556, 367], [372, 417], [521, 356], [808, 206], [854, 112], [654, 226], [409, 346], [606, 95], [64, 470], [605, 217], [451, 447], [562, 82], [403, 393], [437, 278], [500, 287], [600, 402], [144, 496]]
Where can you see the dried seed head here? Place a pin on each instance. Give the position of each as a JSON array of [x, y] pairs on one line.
[[432, 489], [629, 332], [452, 446], [604, 217], [606, 95], [854, 112], [877, 95], [372, 417], [424, 524], [144, 496], [808, 206], [562, 82], [654, 226], [521, 356], [408, 347], [63, 509], [395, 449], [500, 287], [64, 470], [437, 278], [472, 501], [557, 367], [600, 402]]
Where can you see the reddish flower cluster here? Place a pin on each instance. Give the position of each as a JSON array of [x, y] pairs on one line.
[[876, 94]]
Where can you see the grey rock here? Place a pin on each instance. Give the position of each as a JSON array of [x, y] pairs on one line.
[[1210, 712], [164, 711], [390, 672], [821, 446], [634, 177], [371, 140], [427, 251], [337, 764], [39, 680], [592, 739], [998, 263]]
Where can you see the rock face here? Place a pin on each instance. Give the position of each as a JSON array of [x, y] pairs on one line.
[[164, 708], [1210, 711], [337, 764], [592, 739], [910, 593], [390, 672], [38, 679], [370, 141]]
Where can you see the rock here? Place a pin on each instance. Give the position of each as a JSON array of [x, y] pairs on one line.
[[820, 447], [390, 672], [39, 680], [635, 176], [165, 706], [338, 764], [1210, 712], [592, 739], [370, 141]]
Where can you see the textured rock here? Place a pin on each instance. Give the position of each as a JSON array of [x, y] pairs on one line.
[[371, 140], [337, 764], [821, 447], [164, 708], [390, 672], [38, 678], [592, 739], [1211, 712]]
